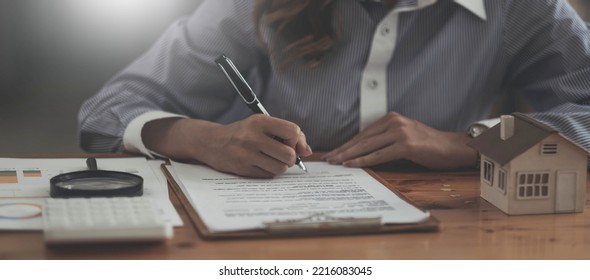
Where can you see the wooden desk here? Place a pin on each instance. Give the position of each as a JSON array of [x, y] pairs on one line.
[[472, 229]]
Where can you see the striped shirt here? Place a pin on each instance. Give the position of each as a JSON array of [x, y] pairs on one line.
[[444, 63]]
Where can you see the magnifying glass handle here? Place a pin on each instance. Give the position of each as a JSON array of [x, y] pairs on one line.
[[91, 163]]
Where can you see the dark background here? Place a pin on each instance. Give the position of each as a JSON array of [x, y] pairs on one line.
[[56, 53]]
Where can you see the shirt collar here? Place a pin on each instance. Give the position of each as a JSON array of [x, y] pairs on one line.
[[477, 7]]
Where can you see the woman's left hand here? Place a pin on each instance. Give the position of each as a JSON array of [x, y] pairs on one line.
[[396, 137]]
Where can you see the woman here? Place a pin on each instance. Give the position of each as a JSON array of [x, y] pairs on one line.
[[369, 81]]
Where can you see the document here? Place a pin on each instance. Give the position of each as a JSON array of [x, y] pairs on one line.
[[28, 178], [229, 203]]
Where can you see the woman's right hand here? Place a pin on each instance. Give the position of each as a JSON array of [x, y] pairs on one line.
[[247, 147]]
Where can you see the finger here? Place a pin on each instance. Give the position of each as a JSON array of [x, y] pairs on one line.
[[288, 132], [270, 164], [342, 148], [246, 162], [278, 151], [351, 143], [290, 135], [302, 148], [376, 128], [364, 147], [387, 154], [255, 172], [284, 153]]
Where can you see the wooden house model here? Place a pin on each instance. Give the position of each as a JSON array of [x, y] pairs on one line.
[[529, 168]]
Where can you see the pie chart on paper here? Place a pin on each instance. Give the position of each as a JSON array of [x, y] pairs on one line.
[[19, 211]]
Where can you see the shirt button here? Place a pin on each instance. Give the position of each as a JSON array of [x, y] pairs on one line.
[[385, 30], [373, 84]]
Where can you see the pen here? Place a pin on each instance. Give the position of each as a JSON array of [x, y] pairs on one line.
[[246, 92]]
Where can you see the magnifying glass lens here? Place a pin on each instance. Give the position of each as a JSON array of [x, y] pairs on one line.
[[95, 184]]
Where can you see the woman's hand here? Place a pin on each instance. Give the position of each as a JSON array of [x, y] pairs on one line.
[[247, 147], [395, 137]]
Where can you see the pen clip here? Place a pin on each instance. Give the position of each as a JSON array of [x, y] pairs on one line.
[[236, 79]]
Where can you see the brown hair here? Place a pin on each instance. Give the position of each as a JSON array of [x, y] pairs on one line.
[[305, 27]]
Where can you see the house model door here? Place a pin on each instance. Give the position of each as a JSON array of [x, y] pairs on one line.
[[565, 191]]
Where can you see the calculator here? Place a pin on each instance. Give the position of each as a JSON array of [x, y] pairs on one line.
[[99, 220]]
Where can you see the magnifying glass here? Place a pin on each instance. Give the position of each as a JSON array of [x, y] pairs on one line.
[[95, 183]]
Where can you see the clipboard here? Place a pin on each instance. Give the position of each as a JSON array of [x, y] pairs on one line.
[[315, 225]]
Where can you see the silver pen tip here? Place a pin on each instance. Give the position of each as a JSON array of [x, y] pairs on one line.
[[302, 166]]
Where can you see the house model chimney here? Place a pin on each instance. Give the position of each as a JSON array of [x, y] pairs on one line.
[[506, 127]]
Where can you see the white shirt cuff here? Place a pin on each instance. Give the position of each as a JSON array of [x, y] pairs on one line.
[[132, 140]]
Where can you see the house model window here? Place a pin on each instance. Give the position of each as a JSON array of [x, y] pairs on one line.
[[533, 185], [488, 172]]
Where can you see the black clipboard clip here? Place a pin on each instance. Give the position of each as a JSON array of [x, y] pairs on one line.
[[321, 222]]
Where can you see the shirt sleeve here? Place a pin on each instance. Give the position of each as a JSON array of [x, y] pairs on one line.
[[132, 140], [174, 76], [548, 46]]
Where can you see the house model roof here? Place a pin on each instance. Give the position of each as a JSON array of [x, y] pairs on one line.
[[527, 133]]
